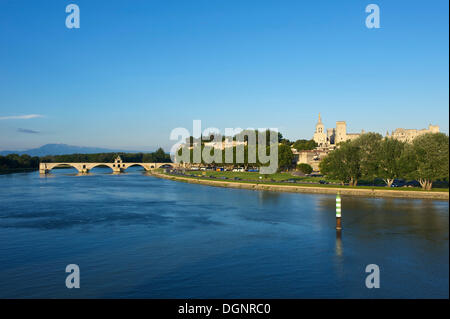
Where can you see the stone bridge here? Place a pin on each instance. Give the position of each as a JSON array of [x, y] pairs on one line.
[[117, 167]]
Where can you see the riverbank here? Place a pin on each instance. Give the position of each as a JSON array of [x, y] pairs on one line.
[[17, 170], [314, 189]]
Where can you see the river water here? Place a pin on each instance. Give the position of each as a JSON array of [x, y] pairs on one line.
[[134, 235]]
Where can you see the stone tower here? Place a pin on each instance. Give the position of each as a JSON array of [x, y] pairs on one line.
[[341, 132], [320, 137], [433, 128]]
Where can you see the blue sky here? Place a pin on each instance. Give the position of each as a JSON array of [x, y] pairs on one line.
[[137, 69]]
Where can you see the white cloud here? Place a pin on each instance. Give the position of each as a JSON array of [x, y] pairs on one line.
[[21, 117]]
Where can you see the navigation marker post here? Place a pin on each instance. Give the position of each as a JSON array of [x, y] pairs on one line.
[[338, 212]]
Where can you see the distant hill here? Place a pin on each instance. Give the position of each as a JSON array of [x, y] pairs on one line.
[[62, 149]]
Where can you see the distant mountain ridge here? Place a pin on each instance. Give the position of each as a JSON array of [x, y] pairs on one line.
[[63, 149]]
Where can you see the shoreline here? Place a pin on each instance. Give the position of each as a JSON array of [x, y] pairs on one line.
[[18, 170], [310, 189]]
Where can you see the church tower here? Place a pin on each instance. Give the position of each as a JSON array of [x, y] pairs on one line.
[[320, 137]]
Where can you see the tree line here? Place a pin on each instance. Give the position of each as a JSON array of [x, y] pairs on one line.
[[156, 157], [285, 155], [371, 156], [14, 162]]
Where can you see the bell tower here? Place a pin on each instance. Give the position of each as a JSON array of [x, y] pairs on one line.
[[320, 137]]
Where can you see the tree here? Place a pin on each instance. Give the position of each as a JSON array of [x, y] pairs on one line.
[[343, 163], [285, 157], [305, 168], [16, 162], [431, 155], [301, 145], [392, 162], [160, 156], [368, 145]]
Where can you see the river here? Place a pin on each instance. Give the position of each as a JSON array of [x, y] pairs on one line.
[[137, 236]]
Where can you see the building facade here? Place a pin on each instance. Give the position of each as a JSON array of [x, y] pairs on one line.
[[331, 137], [328, 139], [408, 135], [311, 157]]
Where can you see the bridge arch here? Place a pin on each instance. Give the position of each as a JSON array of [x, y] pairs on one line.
[[63, 165], [136, 164], [100, 165]]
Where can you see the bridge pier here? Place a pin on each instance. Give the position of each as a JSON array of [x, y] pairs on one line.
[[43, 168]]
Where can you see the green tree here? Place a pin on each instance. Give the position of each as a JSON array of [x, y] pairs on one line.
[[160, 156], [431, 155], [368, 146], [343, 163], [14, 162], [285, 157], [305, 168], [301, 145], [392, 162]]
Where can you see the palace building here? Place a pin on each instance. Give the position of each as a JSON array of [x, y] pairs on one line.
[[408, 135], [331, 137], [328, 139]]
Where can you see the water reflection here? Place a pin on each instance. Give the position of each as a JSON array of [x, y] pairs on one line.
[[339, 243], [267, 197]]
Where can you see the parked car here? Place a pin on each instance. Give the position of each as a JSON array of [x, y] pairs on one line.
[[398, 183]]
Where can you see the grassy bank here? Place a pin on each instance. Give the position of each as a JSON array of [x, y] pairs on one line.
[[281, 178], [366, 191], [254, 176]]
